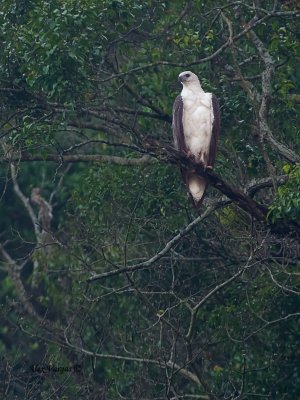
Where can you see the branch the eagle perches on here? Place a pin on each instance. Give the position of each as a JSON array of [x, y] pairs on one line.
[[258, 211], [243, 201]]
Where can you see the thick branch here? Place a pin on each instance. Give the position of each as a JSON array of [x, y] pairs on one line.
[[281, 148], [257, 184], [242, 200], [72, 158]]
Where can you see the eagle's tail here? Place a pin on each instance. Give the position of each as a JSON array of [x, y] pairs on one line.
[[197, 186]]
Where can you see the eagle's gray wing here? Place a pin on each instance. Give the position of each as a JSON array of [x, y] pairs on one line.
[[215, 131], [177, 125]]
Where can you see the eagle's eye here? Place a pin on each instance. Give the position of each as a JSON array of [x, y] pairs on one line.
[[187, 75]]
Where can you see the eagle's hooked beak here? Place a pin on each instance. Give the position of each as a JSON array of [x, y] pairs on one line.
[[182, 78]]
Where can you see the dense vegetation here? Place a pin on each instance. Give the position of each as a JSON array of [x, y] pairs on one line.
[[112, 286]]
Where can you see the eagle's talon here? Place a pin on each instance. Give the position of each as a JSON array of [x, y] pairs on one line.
[[191, 156]]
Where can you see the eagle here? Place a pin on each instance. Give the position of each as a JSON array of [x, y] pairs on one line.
[[196, 129]]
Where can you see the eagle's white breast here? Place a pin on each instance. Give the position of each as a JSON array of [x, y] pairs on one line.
[[197, 121]]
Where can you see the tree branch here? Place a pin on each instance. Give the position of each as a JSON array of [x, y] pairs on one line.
[[73, 158], [269, 323], [106, 142], [176, 239], [284, 288], [181, 370], [14, 273], [247, 28], [257, 184], [264, 128], [243, 201]]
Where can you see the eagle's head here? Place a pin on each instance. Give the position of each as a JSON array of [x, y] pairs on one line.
[[188, 77]]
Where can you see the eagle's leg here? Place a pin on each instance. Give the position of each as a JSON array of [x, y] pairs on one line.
[[190, 155], [202, 159]]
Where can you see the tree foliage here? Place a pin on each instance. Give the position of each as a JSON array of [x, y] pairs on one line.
[[113, 287]]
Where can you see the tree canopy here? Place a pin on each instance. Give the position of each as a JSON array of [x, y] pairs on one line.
[[112, 285]]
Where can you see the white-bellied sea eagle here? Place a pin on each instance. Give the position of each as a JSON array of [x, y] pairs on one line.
[[196, 129]]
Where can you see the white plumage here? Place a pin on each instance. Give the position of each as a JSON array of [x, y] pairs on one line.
[[197, 116], [196, 128]]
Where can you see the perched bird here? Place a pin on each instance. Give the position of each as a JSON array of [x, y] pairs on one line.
[[196, 128], [45, 209]]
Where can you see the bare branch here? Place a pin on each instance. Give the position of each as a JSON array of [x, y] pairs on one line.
[[106, 142], [59, 184], [270, 323], [257, 184], [80, 158], [195, 309], [233, 193], [181, 370], [14, 273], [284, 288], [149, 263]]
